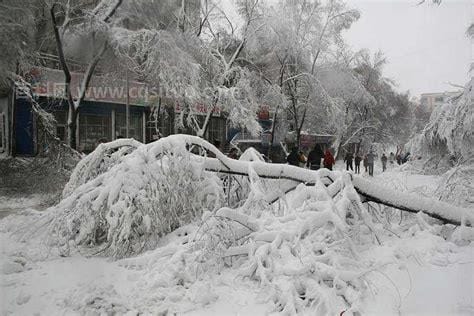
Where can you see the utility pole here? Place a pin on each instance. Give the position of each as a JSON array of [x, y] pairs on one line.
[[127, 107]]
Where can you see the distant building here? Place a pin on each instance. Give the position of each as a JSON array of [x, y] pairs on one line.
[[432, 100]]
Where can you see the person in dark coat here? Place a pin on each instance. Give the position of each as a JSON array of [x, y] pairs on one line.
[[370, 162], [384, 162], [366, 164], [294, 157], [357, 161], [406, 157], [233, 153], [314, 158], [328, 161], [399, 159], [348, 159]]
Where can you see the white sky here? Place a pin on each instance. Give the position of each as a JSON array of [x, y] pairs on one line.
[[426, 45]]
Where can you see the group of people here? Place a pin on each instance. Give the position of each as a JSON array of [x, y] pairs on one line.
[[318, 158], [368, 161], [315, 157]]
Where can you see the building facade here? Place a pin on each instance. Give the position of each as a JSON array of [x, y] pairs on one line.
[[433, 100], [101, 116]]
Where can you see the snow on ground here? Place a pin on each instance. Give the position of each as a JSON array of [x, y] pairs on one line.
[[423, 275], [437, 280], [440, 278], [79, 285], [12, 204]]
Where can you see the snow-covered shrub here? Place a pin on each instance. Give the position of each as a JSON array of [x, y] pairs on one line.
[[457, 185], [126, 209], [446, 145]]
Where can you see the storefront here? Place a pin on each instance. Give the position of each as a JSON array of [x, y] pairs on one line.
[[101, 122], [101, 116]]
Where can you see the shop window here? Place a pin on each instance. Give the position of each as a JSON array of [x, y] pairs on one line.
[[61, 124], [93, 130], [135, 129], [163, 125], [216, 129]]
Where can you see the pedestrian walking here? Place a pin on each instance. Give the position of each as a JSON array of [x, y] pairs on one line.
[[370, 162], [366, 164], [357, 161], [384, 162], [406, 157], [348, 159], [293, 158], [301, 159], [328, 161], [314, 158], [391, 158]]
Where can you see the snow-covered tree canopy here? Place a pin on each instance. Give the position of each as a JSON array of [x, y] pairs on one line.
[[194, 69], [391, 111], [293, 39], [159, 57], [17, 30], [450, 131]]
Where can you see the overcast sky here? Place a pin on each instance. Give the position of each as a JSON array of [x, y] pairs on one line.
[[426, 45]]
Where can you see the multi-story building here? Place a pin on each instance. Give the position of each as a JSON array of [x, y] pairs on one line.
[[432, 100]]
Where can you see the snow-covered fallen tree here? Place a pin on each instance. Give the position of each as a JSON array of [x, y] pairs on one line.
[[125, 196], [301, 250], [139, 193], [104, 157]]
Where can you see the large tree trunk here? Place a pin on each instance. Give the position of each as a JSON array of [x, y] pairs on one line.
[[72, 127], [300, 128], [205, 126], [272, 135], [448, 214]]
